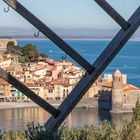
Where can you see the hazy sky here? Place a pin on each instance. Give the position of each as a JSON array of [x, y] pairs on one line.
[[68, 13]]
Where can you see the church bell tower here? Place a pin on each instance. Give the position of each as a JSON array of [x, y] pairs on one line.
[[117, 96]]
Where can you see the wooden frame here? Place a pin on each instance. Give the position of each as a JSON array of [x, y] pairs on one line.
[[93, 71]]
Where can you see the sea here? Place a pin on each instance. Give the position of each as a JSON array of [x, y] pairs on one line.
[[127, 61]]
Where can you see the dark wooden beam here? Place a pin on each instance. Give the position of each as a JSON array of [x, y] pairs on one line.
[[114, 14], [28, 92], [101, 63], [50, 34]]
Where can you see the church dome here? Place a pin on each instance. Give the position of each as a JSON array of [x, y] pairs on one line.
[[117, 73]]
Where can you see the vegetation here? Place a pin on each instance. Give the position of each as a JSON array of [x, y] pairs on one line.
[[107, 131], [136, 112], [21, 59], [11, 48], [28, 53], [43, 55], [10, 43]]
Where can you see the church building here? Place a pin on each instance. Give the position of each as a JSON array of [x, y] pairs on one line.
[[122, 96]]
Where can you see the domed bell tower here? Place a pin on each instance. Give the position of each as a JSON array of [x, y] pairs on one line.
[[117, 96]]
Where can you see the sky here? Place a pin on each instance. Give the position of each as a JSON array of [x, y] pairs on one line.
[[68, 13]]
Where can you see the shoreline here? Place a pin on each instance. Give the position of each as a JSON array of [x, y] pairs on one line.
[[86, 103], [14, 105], [72, 39]]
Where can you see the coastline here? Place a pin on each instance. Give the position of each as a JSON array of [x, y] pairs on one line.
[[16, 105], [91, 103], [85, 103], [84, 39]]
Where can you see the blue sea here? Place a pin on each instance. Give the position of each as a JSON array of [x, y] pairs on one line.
[[128, 60]]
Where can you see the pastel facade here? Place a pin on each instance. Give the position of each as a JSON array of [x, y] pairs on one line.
[[48, 79], [5, 63], [4, 89], [93, 90], [41, 71], [49, 92], [62, 90], [16, 95], [39, 90]]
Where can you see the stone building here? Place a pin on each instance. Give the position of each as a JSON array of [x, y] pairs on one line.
[[4, 42], [118, 96]]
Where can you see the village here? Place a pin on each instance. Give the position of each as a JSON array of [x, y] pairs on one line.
[[54, 80], [51, 80]]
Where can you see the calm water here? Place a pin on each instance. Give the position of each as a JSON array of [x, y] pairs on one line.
[[15, 119], [128, 60]]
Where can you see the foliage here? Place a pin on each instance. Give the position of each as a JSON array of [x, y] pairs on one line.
[[10, 43], [14, 135], [30, 52], [44, 55], [136, 112], [21, 59], [12, 48], [107, 131]]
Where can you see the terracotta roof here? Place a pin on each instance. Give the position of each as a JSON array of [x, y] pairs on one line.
[[51, 62], [49, 87], [36, 75], [60, 81], [31, 85], [107, 84], [38, 69], [51, 69], [13, 56], [125, 87]]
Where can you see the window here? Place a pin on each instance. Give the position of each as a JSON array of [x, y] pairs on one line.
[[50, 91]]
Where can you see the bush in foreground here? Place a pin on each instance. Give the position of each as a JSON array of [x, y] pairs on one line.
[[107, 131]]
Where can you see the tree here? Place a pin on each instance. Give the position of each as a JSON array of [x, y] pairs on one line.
[[21, 59], [44, 55], [30, 52], [12, 48], [136, 112], [10, 43]]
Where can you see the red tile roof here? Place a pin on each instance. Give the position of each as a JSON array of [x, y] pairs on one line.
[[125, 87]]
